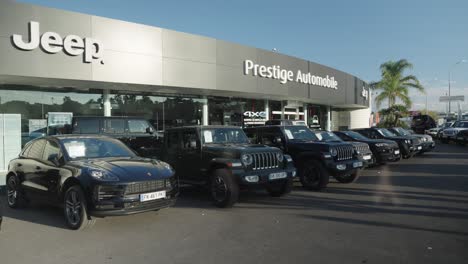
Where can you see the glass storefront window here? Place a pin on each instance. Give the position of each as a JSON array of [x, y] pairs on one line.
[[163, 112], [236, 112], [37, 105]]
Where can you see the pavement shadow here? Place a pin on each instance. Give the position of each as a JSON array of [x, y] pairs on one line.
[[34, 213]]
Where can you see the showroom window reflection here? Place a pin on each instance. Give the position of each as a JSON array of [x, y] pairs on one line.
[[163, 112]]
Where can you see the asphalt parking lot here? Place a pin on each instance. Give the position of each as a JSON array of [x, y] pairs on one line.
[[413, 211]]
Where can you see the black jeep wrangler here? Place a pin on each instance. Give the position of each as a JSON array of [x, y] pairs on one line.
[[222, 158], [137, 133], [314, 160]]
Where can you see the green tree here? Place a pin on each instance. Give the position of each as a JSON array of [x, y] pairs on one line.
[[391, 116], [394, 84]]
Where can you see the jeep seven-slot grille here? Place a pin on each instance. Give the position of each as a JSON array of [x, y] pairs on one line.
[[363, 148], [344, 152], [264, 160], [146, 186]]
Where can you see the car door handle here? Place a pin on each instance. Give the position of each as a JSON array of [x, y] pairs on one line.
[[38, 168]]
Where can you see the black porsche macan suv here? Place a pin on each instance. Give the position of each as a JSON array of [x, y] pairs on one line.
[[89, 176]]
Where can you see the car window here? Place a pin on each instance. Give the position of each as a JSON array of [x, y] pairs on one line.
[[51, 148], [36, 149], [188, 136], [173, 141], [114, 126], [251, 134], [269, 135], [137, 125], [86, 126], [26, 149]]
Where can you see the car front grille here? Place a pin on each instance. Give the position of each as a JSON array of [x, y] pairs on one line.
[[264, 160], [144, 187], [344, 152], [363, 148]]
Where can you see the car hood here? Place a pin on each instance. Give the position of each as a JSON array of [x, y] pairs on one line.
[[128, 169], [232, 150]]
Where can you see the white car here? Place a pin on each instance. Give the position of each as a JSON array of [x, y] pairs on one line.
[[450, 133]]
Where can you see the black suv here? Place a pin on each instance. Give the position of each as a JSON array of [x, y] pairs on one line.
[[421, 123], [222, 158], [315, 160], [383, 150], [89, 176], [362, 149], [135, 132], [408, 146], [426, 142]]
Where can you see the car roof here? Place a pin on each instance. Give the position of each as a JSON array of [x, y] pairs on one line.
[[210, 126], [108, 117]]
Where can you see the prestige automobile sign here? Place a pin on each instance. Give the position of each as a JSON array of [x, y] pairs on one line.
[[284, 75]]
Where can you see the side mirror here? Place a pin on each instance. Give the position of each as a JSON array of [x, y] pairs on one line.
[[150, 130]]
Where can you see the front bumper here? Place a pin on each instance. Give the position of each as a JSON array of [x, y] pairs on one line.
[[388, 154], [428, 146], [264, 175], [114, 200], [337, 168], [367, 159]]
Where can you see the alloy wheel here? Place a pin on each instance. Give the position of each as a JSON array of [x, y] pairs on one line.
[[73, 207], [12, 191], [219, 189]]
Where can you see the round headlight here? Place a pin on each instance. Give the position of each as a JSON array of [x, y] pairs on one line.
[[279, 156], [246, 159], [333, 152]]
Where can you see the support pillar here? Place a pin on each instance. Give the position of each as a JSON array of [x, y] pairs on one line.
[[205, 112], [106, 103], [328, 118]]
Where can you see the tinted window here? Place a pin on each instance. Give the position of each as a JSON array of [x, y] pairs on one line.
[[88, 148], [269, 136], [51, 148], [188, 136], [173, 141], [114, 126], [251, 134], [86, 126], [299, 133], [36, 149], [224, 135], [137, 126]]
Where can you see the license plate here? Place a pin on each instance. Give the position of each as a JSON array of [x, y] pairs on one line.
[[367, 157], [419, 147], [152, 196], [397, 152], [459, 138], [357, 164], [277, 175]]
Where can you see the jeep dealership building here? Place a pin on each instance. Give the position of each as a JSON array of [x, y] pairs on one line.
[[57, 64]]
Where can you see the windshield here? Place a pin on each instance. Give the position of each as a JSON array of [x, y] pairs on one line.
[[327, 136], [462, 124], [299, 133], [400, 131], [385, 132], [91, 148], [224, 135], [355, 135]]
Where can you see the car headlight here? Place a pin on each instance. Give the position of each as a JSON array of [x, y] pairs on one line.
[[288, 158], [407, 141], [102, 175], [333, 152], [279, 156], [246, 159], [381, 145], [166, 165]]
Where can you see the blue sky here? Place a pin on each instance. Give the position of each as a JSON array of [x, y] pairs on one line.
[[353, 36]]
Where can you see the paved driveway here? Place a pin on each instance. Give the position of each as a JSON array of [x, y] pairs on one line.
[[414, 211]]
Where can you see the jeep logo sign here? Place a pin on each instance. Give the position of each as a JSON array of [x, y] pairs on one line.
[[52, 42], [365, 93]]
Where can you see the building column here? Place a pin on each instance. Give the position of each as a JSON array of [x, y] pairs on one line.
[[282, 110], [205, 112], [306, 112], [328, 118], [106, 102], [267, 110]]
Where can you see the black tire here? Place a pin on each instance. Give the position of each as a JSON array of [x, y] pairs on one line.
[[224, 190], [75, 209], [15, 195], [313, 175], [348, 178], [280, 188]]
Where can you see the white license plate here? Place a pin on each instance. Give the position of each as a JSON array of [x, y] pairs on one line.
[[357, 164], [152, 196], [367, 157], [397, 152], [277, 175], [419, 147]]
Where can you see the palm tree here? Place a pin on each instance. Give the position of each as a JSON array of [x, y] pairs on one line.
[[394, 84]]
